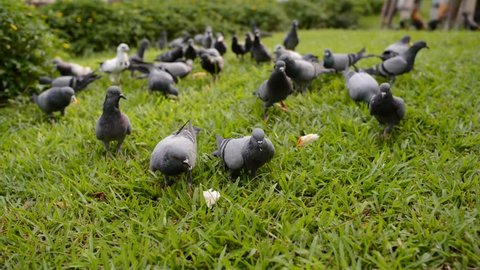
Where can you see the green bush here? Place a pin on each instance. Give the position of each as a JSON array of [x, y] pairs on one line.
[[26, 46]]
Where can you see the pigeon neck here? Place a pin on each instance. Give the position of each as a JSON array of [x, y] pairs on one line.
[[111, 107], [141, 50]]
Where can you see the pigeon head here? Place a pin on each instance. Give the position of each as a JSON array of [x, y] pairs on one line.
[[179, 159], [328, 58], [280, 65], [219, 37], [258, 137], [57, 60], [122, 48], [385, 90], [420, 45], [68, 93], [190, 42], [234, 39], [279, 48], [405, 39], [112, 98], [294, 23], [144, 43]]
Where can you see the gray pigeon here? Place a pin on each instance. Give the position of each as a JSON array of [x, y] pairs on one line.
[[211, 61], [399, 64], [176, 154], [275, 89], [161, 80], [77, 83], [162, 40], [259, 52], [113, 125], [396, 48], [176, 69], [387, 109], [291, 39], [340, 61], [361, 86], [280, 51], [247, 153], [171, 55], [138, 56], [54, 99], [302, 72], [208, 39]]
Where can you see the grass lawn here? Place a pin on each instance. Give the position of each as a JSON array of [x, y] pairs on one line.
[[349, 200]]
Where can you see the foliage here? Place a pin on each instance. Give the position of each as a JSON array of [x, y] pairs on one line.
[[25, 46], [350, 200]]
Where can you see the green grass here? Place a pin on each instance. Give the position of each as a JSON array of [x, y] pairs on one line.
[[349, 200]]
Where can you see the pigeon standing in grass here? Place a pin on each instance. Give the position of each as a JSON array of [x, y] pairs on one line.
[[302, 72], [238, 48], [399, 64], [71, 69], [138, 56], [118, 64], [161, 80], [248, 43], [396, 48], [275, 89], [387, 109], [247, 153], [291, 40], [212, 62], [280, 50], [339, 61], [208, 40], [176, 154], [113, 125], [162, 40], [177, 69], [220, 44], [171, 55], [189, 51], [259, 52], [55, 99], [361, 86], [77, 83]]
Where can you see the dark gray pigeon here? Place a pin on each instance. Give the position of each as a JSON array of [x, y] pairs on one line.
[[248, 42], [220, 44], [138, 56], [387, 109], [361, 86], [340, 61], [170, 56], [55, 99], [176, 154], [113, 125], [211, 61], [247, 153], [237, 48], [190, 52], [396, 48], [77, 83], [162, 40], [280, 50], [291, 39], [176, 69], [259, 52], [275, 89], [161, 80], [399, 64]]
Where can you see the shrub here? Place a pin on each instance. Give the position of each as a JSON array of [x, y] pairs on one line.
[[25, 46]]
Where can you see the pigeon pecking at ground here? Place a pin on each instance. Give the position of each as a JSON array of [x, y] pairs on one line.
[[70, 69], [176, 69], [396, 48], [176, 154], [275, 89], [291, 39], [55, 99], [118, 64], [248, 153], [339, 61], [387, 109], [113, 125], [259, 52], [361, 86], [77, 83], [211, 61], [399, 64], [237, 48]]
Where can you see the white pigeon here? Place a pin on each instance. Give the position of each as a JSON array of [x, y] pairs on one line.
[[118, 64]]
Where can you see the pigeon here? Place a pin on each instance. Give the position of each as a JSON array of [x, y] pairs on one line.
[[162, 40], [161, 80], [70, 69], [211, 61], [248, 153], [176, 154], [189, 51], [208, 39], [399, 64], [220, 44], [259, 52], [113, 125], [339, 61], [238, 48], [280, 50], [55, 99], [276, 88], [291, 39], [396, 48], [171, 55], [77, 83], [118, 64], [302, 72], [138, 56], [387, 109], [248, 42], [361, 86], [177, 69]]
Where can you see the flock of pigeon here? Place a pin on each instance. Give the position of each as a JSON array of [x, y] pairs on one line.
[[292, 73]]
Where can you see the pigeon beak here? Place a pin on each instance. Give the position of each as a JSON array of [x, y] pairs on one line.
[[186, 163], [74, 100], [383, 94], [122, 96], [282, 69], [260, 145]]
